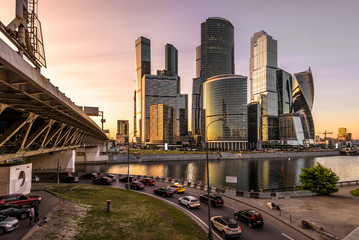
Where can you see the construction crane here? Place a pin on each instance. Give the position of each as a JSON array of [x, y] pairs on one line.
[[325, 134]]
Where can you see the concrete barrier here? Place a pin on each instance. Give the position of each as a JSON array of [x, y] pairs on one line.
[[328, 236]]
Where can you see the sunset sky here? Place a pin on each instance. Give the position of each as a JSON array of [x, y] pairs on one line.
[[90, 48]]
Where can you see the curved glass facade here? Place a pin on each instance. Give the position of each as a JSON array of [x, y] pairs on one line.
[[226, 95], [303, 98]]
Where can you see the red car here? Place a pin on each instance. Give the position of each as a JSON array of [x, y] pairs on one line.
[[19, 199], [148, 181]]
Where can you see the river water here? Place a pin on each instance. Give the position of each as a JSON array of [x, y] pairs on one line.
[[251, 173]]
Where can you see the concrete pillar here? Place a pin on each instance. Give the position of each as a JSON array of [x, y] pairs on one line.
[[48, 162]]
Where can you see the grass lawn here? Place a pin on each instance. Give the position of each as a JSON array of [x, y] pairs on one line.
[[133, 215], [355, 192]]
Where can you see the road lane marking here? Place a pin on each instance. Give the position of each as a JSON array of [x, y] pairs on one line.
[[285, 235]]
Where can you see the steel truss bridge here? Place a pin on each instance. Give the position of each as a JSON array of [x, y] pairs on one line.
[[35, 116]]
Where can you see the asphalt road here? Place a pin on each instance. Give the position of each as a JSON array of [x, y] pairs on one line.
[[273, 229]]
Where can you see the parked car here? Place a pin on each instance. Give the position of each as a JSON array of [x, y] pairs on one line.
[[112, 176], [189, 201], [165, 192], [69, 179], [148, 181], [124, 179], [250, 217], [102, 180], [177, 188], [61, 175], [35, 179], [19, 199], [89, 176], [12, 210], [8, 224], [226, 226], [216, 200], [136, 185]]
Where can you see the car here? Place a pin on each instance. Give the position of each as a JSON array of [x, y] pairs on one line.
[[8, 224], [124, 179], [177, 188], [12, 210], [250, 217], [226, 226], [148, 181], [102, 180], [165, 192], [69, 179], [61, 175], [35, 179], [19, 199], [136, 185], [189, 201], [112, 176], [216, 199], [89, 176]]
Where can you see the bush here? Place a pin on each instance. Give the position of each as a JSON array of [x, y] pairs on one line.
[[319, 179], [355, 192]]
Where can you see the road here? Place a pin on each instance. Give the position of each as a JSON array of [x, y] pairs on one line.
[[273, 229]]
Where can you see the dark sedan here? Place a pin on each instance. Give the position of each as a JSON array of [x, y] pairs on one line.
[[102, 180], [136, 185], [216, 200], [12, 210], [250, 217], [89, 176], [112, 176], [165, 192], [69, 179], [124, 179]]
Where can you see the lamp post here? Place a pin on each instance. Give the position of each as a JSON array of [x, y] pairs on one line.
[[210, 235], [128, 161]]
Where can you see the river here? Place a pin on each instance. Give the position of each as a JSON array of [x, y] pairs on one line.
[[251, 173]]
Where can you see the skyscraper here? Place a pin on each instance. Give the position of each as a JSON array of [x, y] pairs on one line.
[[303, 98], [143, 66], [264, 90], [171, 64], [196, 95]]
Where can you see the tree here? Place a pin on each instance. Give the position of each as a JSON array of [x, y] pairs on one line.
[[319, 179]]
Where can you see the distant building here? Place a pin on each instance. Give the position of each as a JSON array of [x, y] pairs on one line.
[[264, 89], [254, 124], [342, 132], [162, 119], [197, 96], [303, 98], [293, 129], [284, 85], [122, 131], [348, 137], [225, 96]]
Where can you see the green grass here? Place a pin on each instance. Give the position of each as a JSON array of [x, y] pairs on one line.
[[133, 215], [355, 192]]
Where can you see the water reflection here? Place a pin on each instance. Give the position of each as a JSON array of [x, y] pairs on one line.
[[251, 173]]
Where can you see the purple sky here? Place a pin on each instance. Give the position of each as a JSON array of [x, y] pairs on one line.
[[91, 54]]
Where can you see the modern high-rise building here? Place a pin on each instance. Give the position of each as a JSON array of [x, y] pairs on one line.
[[197, 96], [342, 132], [123, 127], [225, 96], [284, 84], [264, 89], [293, 129], [162, 119], [162, 88], [143, 66], [303, 98]]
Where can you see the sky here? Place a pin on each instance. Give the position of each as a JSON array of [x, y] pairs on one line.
[[90, 48]]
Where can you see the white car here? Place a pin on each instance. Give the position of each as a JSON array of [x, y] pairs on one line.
[[227, 226], [189, 201]]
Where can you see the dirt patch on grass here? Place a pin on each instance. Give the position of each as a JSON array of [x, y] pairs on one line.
[[61, 223]]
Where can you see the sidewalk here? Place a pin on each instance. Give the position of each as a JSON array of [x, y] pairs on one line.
[[337, 214]]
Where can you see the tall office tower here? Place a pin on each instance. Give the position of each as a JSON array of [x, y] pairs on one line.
[[341, 134], [162, 120], [196, 96], [284, 81], [217, 47], [293, 129], [143, 66], [226, 95], [122, 135], [171, 64], [264, 91], [303, 98]]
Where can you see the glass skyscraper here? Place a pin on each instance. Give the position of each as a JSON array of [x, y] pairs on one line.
[[226, 95]]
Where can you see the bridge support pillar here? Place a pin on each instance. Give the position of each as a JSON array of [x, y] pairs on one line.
[[50, 161]]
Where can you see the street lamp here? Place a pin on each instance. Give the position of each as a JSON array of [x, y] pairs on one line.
[[128, 161], [210, 235]]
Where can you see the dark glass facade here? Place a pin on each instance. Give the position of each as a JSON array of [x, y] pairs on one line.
[[226, 95]]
